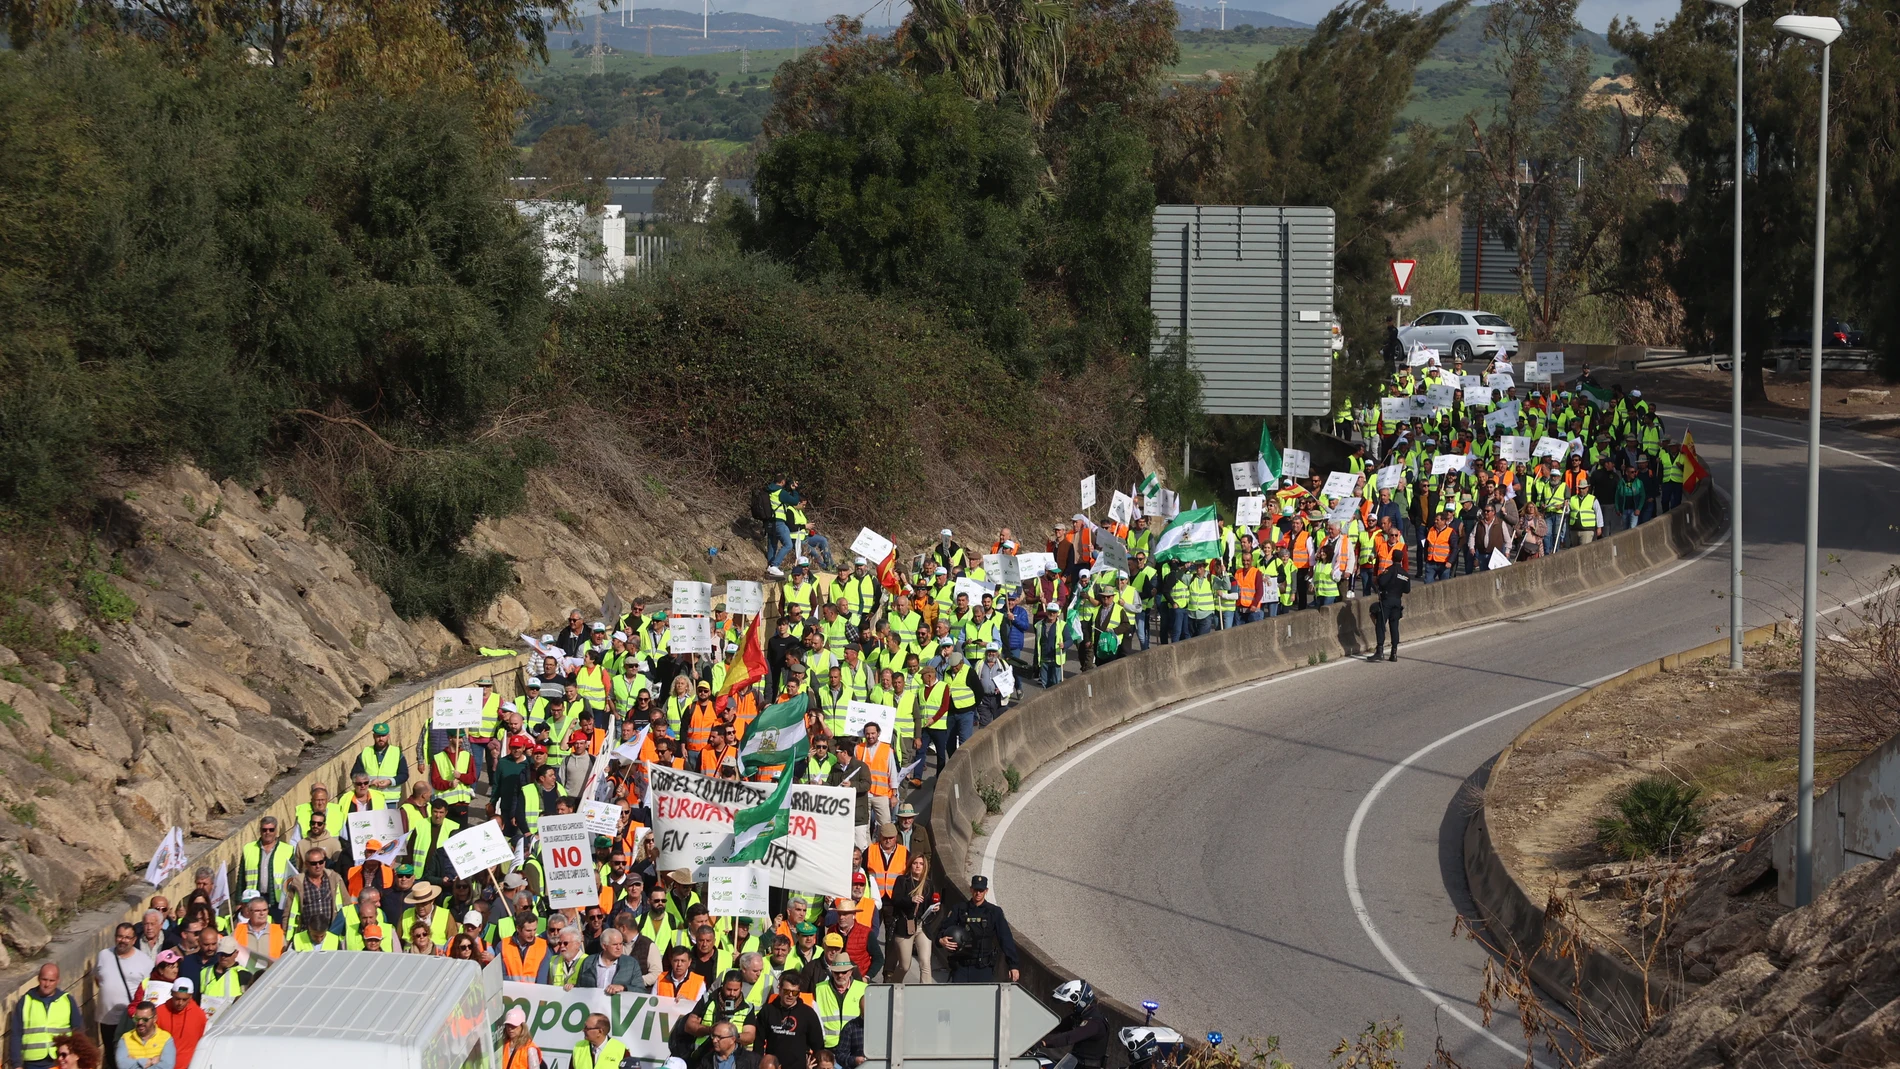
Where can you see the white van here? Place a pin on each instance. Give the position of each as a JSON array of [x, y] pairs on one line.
[[361, 1010]]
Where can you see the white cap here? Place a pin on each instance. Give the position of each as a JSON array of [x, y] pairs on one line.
[[620, 636], [804, 560], [1007, 544], [509, 706], [473, 916], [732, 647], [250, 894], [994, 647], [941, 571], [547, 638], [534, 681], [1636, 393], [182, 986], [859, 560], [945, 532]]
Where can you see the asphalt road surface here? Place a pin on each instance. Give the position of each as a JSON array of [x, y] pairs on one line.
[[1284, 858]]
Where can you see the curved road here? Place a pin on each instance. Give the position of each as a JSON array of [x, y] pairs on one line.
[[1284, 858]]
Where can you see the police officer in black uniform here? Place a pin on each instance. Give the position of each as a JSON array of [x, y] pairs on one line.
[[974, 934], [1084, 1029]]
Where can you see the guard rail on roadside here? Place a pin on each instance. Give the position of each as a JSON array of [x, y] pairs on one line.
[[1050, 723]]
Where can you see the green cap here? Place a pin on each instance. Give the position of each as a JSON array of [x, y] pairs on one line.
[[405, 870], [380, 729], [601, 842], [806, 928]]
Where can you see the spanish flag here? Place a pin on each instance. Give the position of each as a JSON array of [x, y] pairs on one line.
[[748, 665], [1696, 473], [887, 573]]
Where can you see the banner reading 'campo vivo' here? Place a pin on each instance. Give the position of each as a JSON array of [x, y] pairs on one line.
[[555, 1017], [692, 816]]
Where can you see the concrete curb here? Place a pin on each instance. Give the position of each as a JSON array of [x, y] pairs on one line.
[[1609, 986], [1049, 724]]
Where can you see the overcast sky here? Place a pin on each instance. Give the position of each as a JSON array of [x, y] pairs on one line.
[[1595, 14]]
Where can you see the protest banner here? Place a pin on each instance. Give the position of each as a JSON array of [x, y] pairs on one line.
[[1297, 463], [1391, 476], [1165, 504], [374, 826], [1110, 551], [1499, 381], [1554, 448], [1009, 570], [643, 1023], [457, 707], [1499, 560], [1516, 449], [473, 849], [1343, 512], [1470, 382], [1247, 511], [568, 876], [1031, 565], [1550, 363], [1533, 373], [690, 634], [692, 815], [1088, 493], [1396, 409], [691, 598], [1446, 463], [992, 563], [1421, 357], [1245, 475], [975, 589], [738, 891], [1504, 416], [857, 714], [1441, 396], [1477, 395], [872, 546], [601, 818], [1121, 508], [1340, 484], [745, 597]]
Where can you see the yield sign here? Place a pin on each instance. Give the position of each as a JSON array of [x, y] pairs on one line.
[[1402, 272]]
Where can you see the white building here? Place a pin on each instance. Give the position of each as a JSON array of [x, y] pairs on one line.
[[578, 247]]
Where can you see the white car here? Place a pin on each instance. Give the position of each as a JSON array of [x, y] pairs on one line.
[[1461, 333]]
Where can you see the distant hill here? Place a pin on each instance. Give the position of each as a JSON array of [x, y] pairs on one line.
[[682, 33], [1210, 18]]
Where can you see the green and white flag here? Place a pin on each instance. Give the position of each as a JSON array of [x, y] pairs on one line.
[[754, 829], [1268, 459], [1599, 396], [1191, 536], [1150, 483], [777, 735]]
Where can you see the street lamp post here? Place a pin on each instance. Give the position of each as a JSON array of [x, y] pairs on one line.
[[1735, 377], [1825, 31]]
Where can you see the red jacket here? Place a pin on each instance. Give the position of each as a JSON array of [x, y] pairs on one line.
[[857, 946], [186, 1029]]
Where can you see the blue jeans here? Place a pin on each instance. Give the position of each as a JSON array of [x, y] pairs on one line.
[[818, 548], [1181, 626], [1630, 518], [1141, 627], [1227, 619], [1435, 572], [1051, 674], [1323, 600], [1203, 626], [1250, 616], [1550, 538], [1671, 496], [778, 539], [938, 738], [1274, 608], [962, 726]]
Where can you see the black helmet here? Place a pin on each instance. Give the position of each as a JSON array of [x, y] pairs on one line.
[[956, 933]]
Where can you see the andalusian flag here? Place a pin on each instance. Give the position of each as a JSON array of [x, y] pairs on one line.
[[1269, 458], [755, 829], [748, 665], [776, 736], [1599, 396], [1191, 536], [1150, 483]]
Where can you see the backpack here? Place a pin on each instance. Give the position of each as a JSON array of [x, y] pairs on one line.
[[762, 510]]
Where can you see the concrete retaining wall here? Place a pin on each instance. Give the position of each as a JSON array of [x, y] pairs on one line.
[[1050, 723], [1854, 823], [407, 712]]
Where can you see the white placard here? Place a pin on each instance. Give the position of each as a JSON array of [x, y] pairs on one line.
[[1391, 476], [872, 546], [858, 714], [1505, 416], [745, 597], [1296, 462], [1477, 395], [1499, 381], [568, 876], [1121, 508], [1499, 560], [738, 891], [976, 590], [690, 634], [1396, 409], [1515, 449], [1554, 448], [457, 707], [1088, 493], [1165, 504], [691, 598], [1343, 512], [382, 826], [1550, 363], [1533, 373], [1442, 395], [601, 818], [1009, 570], [692, 815], [1247, 511], [481, 847], [992, 562], [1421, 357], [1031, 565], [1470, 382], [1446, 463], [1340, 484], [1246, 477]]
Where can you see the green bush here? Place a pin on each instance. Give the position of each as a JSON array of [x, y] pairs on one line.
[[1653, 816], [107, 603]]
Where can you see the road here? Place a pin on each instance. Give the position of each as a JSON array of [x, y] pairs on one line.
[[1285, 858]]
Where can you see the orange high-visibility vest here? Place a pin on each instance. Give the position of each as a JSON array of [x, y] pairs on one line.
[[688, 989], [886, 873], [878, 760], [242, 933], [1302, 549], [1384, 548], [745, 709], [1438, 546], [699, 725], [1248, 579], [519, 968]]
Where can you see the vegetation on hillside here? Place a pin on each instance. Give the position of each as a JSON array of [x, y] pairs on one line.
[[680, 104]]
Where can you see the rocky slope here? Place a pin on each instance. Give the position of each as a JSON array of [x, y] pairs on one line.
[[1820, 987]]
